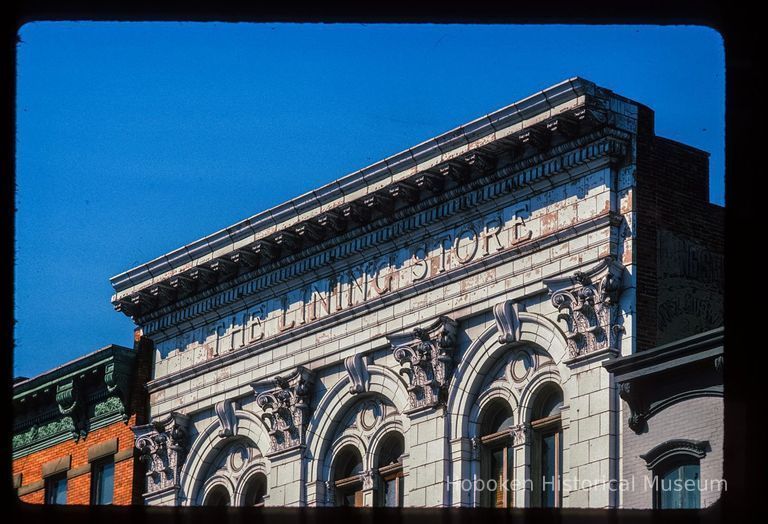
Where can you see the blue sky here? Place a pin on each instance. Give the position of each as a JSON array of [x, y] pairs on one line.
[[137, 138]]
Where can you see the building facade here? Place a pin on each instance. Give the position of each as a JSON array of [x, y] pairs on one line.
[[431, 330], [72, 438]]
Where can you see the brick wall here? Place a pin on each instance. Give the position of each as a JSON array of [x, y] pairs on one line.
[[698, 418], [672, 195], [78, 487], [129, 478]]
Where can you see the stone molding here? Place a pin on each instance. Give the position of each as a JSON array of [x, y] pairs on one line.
[[425, 356], [675, 447]]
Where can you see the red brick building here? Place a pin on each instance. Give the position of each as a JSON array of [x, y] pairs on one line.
[[72, 439]]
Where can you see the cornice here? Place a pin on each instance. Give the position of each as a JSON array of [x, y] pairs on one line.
[[73, 399], [515, 176], [394, 183]]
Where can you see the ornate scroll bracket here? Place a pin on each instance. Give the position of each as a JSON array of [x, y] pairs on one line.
[[225, 410], [588, 303], [117, 377], [426, 359], [507, 319], [161, 446], [357, 369], [285, 408], [70, 403], [638, 407]]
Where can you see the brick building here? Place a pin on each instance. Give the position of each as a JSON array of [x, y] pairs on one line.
[[432, 330], [72, 440]]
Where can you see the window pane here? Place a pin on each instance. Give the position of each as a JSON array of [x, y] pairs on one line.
[[679, 487], [105, 483], [58, 491], [549, 473], [390, 493]]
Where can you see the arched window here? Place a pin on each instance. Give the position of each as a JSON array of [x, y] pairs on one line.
[[217, 496], [346, 477], [255, 490], [547, 468], [390, 469], [676, 473], [496, 459]]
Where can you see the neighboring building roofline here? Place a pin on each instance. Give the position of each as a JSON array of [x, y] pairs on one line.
[[73, 367]]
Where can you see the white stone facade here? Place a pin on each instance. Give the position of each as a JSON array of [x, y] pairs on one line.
[[408, 302]]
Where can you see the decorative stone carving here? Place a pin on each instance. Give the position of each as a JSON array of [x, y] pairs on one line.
[[588, 302], [161, 445], [720, 364], [694, 448], [70, 403], [507, 321], [426, 359], [286, 408], [475, 444], [520, 433], [357, 369], [225, 410], [369, 479], [117, 377], [330, 493], [638, 409]]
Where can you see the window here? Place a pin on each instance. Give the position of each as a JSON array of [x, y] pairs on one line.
[[218, 496], [102, 481], [677, 485], [676, 473], [390, 468], [346, 477], [255, 490], [496, 455], [56, 489], [548, 448]]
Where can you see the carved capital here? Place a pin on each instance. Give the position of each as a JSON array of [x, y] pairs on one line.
[[588, 303], [507, 321], [162, 449], [369, 478], [285, 408], [520, 433], [426, 358]]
